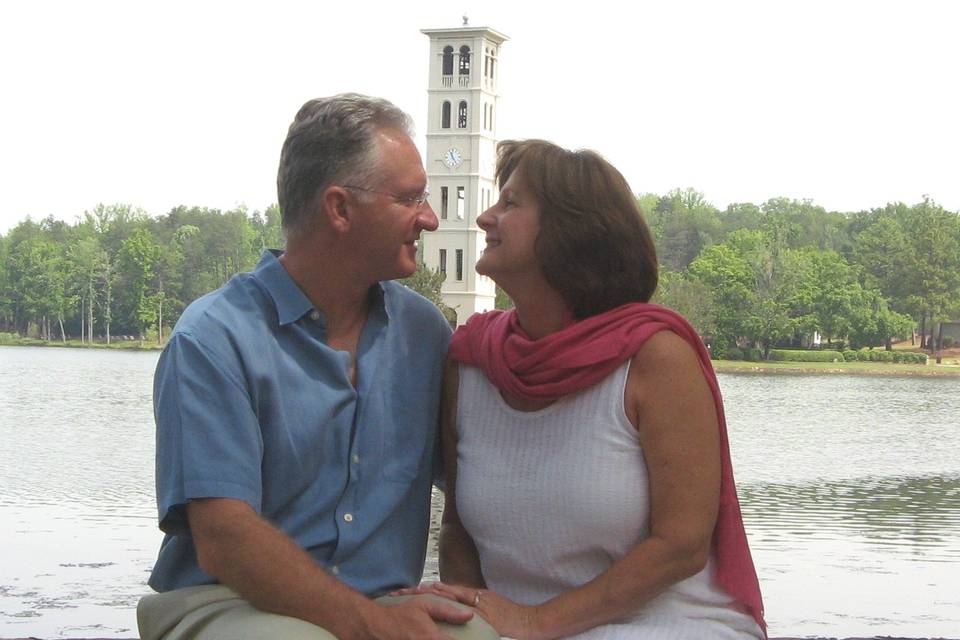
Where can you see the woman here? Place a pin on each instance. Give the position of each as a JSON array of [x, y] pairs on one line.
[[589, 489]]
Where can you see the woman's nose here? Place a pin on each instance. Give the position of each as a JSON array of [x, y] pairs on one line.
[[485, 219]]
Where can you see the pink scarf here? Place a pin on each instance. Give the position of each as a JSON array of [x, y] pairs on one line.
[[581, 355]]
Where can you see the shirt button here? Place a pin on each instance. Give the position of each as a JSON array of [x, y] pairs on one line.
[[314, 315], [348, 517], [356, 458], [335, 570]]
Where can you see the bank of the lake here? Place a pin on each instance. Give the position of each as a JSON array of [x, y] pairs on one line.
[[121, 344], [854, 368], [725, 366]]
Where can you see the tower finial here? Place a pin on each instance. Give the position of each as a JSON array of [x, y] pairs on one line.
[[466, 20]]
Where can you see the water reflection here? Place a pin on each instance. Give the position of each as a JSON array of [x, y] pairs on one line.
[[858, 558], [916, 518]]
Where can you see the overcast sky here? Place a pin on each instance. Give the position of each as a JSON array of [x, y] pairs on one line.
[[849, 103]]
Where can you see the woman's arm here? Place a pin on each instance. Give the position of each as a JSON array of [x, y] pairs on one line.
[[459, 562], [669, 402]]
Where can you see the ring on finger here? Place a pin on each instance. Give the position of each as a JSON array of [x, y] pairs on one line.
[[476, 599]]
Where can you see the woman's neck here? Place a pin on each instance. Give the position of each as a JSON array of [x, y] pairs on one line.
[[542, 312]]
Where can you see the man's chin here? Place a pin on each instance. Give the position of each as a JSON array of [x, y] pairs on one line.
[[405, 271]]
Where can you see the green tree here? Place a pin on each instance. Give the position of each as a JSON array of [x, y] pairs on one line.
[[689, 297], [740, 215], [805, 224], [38, 278], [935, 269], [428, 282], [725, 272], [6, 292], [873, 323], [268, 229], [114, 223], [24, 270], [683, 223], [837, 295], [761, 291], [58, 296], [881, 247], [912, 254], [87, 264], [140, 256]]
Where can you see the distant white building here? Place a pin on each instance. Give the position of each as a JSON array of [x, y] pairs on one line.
[[461, 159]]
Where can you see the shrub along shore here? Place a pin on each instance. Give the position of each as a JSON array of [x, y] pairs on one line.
[[827, 355], [897, 362]]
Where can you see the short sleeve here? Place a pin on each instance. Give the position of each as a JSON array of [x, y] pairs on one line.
[[209, 443]]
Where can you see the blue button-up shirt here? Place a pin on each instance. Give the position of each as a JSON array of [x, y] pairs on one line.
[[251, 404]]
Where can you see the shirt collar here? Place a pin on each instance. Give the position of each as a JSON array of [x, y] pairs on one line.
[[291, 303]]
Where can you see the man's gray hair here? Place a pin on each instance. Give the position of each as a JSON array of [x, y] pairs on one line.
[[331, 140]]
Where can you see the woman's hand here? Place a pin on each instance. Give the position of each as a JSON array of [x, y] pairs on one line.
[[510, 619]]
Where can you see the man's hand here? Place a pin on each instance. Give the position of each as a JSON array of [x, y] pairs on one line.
[[266, 567], [412, 619], [507, 617]]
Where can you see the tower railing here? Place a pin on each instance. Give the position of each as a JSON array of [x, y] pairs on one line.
[[462, 82]]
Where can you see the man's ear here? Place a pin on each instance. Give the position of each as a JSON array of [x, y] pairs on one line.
[[336, 207]]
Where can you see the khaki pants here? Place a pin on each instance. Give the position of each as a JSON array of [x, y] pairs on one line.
[[214, 612]]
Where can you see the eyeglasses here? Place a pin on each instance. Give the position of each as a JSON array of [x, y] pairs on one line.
[[417, 200]]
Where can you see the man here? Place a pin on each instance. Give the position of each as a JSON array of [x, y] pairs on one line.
[[297, 410]]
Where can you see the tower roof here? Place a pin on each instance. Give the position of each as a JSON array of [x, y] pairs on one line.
[[466, 32]]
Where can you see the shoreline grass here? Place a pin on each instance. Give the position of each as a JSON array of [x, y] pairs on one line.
[[123, 345]]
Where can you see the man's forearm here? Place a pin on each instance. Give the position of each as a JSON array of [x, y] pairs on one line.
[[266, 567]]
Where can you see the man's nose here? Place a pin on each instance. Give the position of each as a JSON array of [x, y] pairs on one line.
[[427, 217]]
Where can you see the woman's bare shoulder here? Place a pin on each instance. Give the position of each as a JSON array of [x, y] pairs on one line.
[[665, 352]]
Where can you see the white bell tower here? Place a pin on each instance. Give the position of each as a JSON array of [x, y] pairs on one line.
[[461, 158]]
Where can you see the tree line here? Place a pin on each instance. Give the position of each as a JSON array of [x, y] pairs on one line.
[[750, 275], [778, 273], [119, 272]]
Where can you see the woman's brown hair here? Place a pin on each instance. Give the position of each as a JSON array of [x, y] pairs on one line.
[[594, 246]]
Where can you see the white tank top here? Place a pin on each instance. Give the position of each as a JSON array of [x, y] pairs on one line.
[[552, 498]]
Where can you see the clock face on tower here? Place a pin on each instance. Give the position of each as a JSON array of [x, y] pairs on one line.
[[452, 158]]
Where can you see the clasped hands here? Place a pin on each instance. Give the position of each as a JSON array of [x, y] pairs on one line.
[[511, 620]]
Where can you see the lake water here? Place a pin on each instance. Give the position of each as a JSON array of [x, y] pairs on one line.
[[850, 489]]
